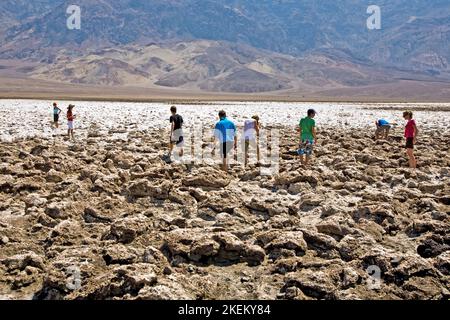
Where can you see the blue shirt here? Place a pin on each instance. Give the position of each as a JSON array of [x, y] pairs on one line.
[[225, 130], [383, 122]]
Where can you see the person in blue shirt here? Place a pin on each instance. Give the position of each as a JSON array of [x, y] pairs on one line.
[[383, 129], [225, 133], [56, 113]]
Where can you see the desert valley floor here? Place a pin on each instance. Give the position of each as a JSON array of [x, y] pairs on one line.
[[107, 217]]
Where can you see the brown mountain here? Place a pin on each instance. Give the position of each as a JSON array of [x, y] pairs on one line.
[[210, 66], [240, 46]]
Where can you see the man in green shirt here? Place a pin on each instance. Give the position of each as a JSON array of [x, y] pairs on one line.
[[308, 136]]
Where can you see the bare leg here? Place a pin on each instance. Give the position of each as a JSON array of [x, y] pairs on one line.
[[412, 158], [258, 155], [308, 158], [302, 159], [246, 147], [225, 165]]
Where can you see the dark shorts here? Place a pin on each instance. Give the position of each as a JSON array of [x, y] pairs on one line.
[[409, 143], [55, 117], [226, 148]]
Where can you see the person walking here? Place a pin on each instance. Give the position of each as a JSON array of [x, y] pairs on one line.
[[176, 132], [251, 137], [225, 133], [308, 137]]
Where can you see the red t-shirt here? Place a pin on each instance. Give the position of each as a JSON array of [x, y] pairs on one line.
[[409, 129], [69, 115]]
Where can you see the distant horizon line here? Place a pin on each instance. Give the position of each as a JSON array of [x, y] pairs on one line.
[[211, 100]]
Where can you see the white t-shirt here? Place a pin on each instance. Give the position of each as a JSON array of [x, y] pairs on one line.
[[250, 129]]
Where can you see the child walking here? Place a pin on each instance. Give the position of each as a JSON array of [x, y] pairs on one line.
[[411, 133]]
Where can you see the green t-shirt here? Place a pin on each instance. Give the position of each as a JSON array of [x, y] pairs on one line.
[[307, 124]]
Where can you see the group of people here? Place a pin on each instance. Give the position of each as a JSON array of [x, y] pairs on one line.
[[225, 134], [411, 132], [70, 118]]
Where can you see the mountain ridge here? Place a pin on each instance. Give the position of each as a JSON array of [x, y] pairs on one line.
[[412, 44]]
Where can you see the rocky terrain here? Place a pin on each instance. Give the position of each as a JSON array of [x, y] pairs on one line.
[[105, 217]]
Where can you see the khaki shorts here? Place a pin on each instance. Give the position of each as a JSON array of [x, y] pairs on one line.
[[384, 129], [177, 138]]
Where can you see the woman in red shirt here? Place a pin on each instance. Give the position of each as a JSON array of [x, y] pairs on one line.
[[70, 118], [411, 133]]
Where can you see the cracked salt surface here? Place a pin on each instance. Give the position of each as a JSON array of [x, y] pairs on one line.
[[32, 118]]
